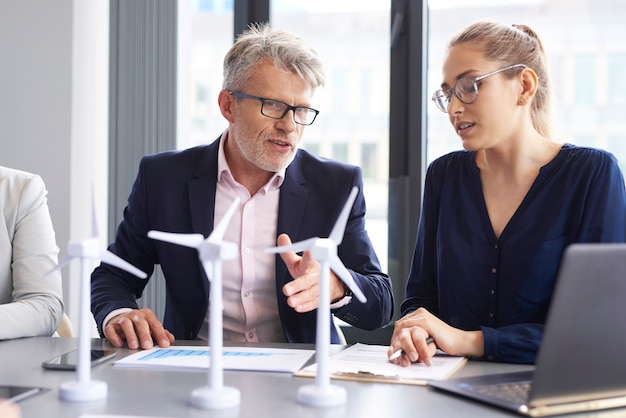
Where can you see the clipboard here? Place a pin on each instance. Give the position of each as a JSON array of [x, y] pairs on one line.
[[369, 363]]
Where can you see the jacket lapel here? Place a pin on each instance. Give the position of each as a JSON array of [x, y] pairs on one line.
[[202, 192]]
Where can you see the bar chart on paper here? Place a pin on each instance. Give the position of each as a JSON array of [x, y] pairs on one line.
[[234, 358]]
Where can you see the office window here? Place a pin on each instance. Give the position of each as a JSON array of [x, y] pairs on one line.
[[615, 87], [213, 5], [587, 58], [201, 106], [617, 145], [585, 140], [584, 79], [368, 160], [616, 80], [312, 147], [341, 103], [352, 38], [616, 103], [340, 151], [206, 33]]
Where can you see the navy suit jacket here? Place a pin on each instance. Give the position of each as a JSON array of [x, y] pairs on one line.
[[175, 192]]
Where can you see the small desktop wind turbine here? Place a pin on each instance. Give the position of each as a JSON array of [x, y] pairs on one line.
[[212, 251], [324, 250], [83, 388]]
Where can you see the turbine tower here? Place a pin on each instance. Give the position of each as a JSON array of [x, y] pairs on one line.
[[83, 388], [211, 251], [324, 250]]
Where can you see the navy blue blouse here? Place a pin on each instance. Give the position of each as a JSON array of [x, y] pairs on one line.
[[472, 280]]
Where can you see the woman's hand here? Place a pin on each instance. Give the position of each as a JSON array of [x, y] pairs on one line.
[[410, 334]]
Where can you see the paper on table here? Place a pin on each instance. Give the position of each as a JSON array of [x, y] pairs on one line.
[[233, 358], [370, 363]]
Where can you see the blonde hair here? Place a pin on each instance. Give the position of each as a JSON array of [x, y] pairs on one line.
[[259, 43], [515, 44]]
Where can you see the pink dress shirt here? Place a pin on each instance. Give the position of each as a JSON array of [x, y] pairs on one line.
[[249, 282]]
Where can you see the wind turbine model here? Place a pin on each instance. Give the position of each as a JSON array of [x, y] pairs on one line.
[[324, 250], [83, 388], [212, 251]]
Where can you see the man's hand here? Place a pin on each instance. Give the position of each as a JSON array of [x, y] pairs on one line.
[[303, 291], [140, 328]]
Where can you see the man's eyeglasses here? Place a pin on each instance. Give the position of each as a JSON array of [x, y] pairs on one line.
[[466, 89], [277, 110]]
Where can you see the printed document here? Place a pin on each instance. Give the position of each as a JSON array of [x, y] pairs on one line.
[[233, 358], [370, 363]]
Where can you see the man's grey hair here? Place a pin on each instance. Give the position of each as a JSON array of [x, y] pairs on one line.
[[259, 43]]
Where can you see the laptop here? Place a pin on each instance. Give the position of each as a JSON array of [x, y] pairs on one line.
[[581, 364]]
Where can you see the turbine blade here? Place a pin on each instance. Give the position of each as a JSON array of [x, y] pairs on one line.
[[59, 266], [220, 229], [307, 244], [186, 240], [342, 272], [110, 258], [336, 235]]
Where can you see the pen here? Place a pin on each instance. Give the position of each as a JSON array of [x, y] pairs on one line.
[[398, 353]]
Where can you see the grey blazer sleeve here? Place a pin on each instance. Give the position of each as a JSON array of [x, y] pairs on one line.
[[30, 304]]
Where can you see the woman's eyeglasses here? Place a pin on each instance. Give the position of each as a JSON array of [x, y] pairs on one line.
[[466, 89]]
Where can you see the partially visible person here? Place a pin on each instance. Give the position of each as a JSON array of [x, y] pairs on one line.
[[286, 194], [30, 304], [9, 409], [497, 216]]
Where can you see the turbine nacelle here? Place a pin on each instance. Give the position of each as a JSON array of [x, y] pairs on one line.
[[324, 248], [222, 251], [89, 248]]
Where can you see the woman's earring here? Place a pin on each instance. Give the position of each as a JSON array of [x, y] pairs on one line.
[[520, 102]]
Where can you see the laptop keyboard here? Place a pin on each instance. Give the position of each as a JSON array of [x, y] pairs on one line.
[[515, 392]]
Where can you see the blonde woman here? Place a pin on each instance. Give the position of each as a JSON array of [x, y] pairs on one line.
[[498, 215]]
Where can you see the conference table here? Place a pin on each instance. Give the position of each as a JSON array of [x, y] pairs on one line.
[[159, 392]]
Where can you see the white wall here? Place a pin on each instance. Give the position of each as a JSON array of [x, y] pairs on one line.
[[53, 110], [35, 96]]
